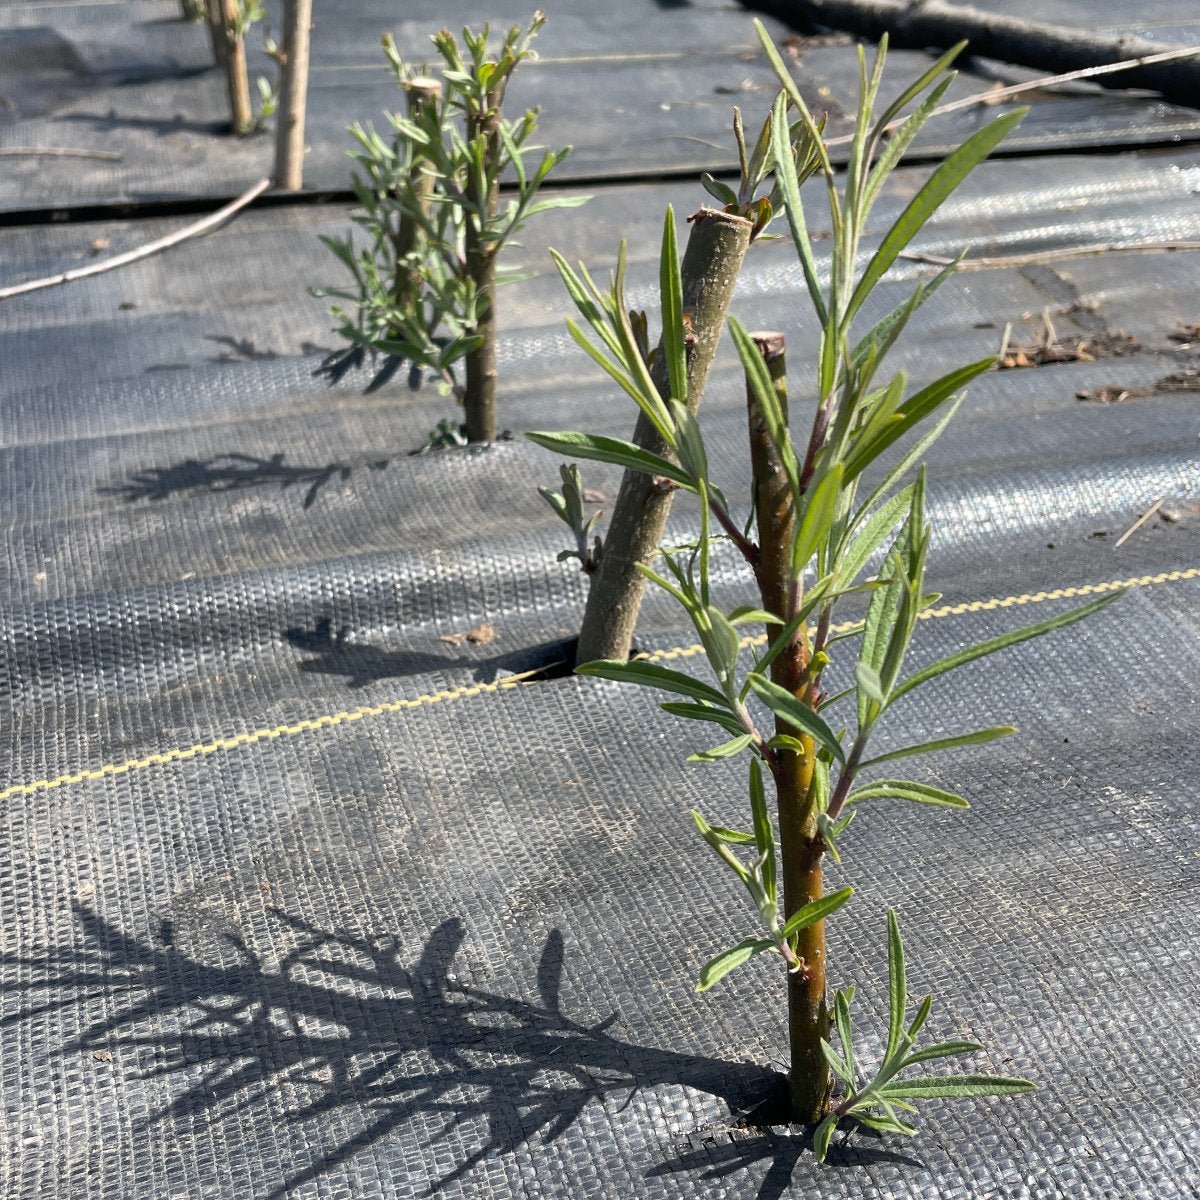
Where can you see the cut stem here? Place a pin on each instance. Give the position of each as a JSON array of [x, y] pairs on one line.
[[422, 94], [716, 246], [293, 96], [479, 396], [237, 79], [801, 848]]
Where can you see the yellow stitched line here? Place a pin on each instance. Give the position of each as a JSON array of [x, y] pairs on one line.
[[330, 720]]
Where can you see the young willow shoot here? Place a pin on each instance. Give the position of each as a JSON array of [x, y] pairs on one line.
[[425, 282], [716, 247], [817, 536]]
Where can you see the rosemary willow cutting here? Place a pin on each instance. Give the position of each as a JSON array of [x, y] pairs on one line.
[[819, 535]]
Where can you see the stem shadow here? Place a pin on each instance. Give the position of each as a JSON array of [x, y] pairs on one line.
[[353, 1033]]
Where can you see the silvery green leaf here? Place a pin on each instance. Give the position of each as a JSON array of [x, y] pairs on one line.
[[722, 643], [868, 682], [822, 1136], [732, 836], [764, 833], [720, 966], [929, 1087], [784, 705], [816, 910], [1059, 621], [650, 674], [704, 712], [820, 510], [611, 450], [718, 190], [900, 789], [747, 613], [897, 987], [937, 188], [877, 527], [941, 1050], [671, 291], [977, 738], [837, 1064], [724, 750]]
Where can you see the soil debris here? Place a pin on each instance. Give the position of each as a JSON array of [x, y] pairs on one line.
[[1047, 348], [1110, 394], [481, 635], [1184, 381]]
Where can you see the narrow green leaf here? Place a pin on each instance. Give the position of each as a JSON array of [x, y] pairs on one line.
[[820, 511], [764, 833], [717, 840], [733, 836], [704, 712], [910, 457], [837, 1064], [878, 526], [897, 986], [788, 182], [869, 683], [724, 750], [746, 613], [845, 1032], [1059, 621], [900, 789], [921, 1016], [611, 450], [650, 674], [878, 630], [816, 910], [759, 379], [671, 291], [718, 190], [912, 412], [881, 337], [783, 704], [919, 84], [720, 966], [941, 1050], [948, 175], [822, 1136], [929, 1087], [903, 137], [977, 738]]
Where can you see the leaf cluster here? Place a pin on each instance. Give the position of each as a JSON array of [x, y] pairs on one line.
[[428, 189], [883, 1102], [568, 506]]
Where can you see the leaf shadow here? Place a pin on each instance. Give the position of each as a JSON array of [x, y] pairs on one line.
[[232, 472], [722, 1154], [353, 1034]]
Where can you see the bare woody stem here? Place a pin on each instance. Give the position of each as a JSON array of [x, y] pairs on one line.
[[293, 96], [216, 30], [237, 79], [799, 834], [423, 94], [716, 246], [479, 397]]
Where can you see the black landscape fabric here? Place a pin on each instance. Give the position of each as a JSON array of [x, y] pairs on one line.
[[636, 87], [302, 896]]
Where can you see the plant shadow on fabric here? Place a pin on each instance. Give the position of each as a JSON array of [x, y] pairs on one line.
[[363, 663], [342, 1023], [231, 473]]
